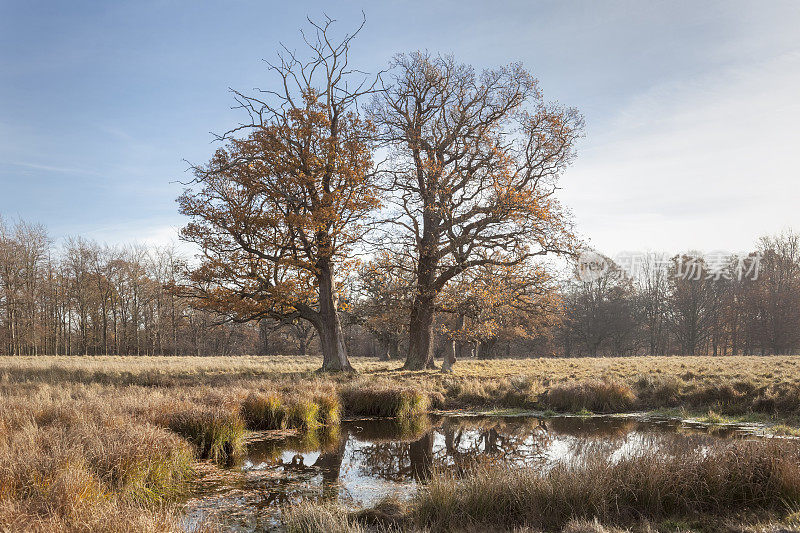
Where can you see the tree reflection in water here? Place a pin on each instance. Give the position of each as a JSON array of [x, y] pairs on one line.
[[330, 463], [455, 445], [298, 471], [370, 459]]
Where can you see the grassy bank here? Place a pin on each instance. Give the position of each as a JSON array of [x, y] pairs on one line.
[[196, 370], [727, 385], [84, 467], [677, 483], [112, 440], [116, 453]]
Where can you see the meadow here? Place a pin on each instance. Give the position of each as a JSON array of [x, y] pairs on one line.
[[112, 443]]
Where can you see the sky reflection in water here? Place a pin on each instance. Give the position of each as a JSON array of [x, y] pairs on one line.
[[367, 460]]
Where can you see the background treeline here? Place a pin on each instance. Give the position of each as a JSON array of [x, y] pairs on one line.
[[82, 298], [85, 299], [745, 305]]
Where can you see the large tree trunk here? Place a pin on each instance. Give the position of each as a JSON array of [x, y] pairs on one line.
[[449, 357], [329, 327], [384, 350], [420, 335], [420, 331], [454, 350]]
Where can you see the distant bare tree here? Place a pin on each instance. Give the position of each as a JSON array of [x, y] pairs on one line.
[[599, 311], [693, 302], [777, 294], [653, 288], [23, 250]]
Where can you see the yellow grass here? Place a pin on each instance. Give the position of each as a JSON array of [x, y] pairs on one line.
[[59, 415], [733, 385], [760, 369], [712, 484]]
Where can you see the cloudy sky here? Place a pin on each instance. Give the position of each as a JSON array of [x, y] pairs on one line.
[[692, 108]]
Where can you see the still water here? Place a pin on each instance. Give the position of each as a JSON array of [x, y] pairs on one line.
[[367, 460]]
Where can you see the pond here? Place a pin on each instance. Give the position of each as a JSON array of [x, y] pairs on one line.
[[367, 460]]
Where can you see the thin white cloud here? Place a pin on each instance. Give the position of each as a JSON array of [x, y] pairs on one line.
[[116, 132], [50, 168], [708, 162]]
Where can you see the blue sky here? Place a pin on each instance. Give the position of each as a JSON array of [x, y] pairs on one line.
[[691, 107]]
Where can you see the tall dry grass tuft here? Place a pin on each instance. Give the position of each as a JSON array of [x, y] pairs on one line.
[[517, 392], [682, 478], [655, 392], [393, 517], [142, 463], [94, 475], [778, 399], [217, 433], [302, 413], [263, 411], [387, 516], [384, 400], [595, 396], [268, 411], [330, 408], [319, 518]]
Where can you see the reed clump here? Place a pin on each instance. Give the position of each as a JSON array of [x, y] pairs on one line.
[[142, 463], [594, 395], [107, 474], [303, 414], [392, 517], [384, 400], [271, 411], [264, 411], [519, 392], [655, 392], [678, 480], [778, 399], [330, 408], [217, 433], [320, 518]]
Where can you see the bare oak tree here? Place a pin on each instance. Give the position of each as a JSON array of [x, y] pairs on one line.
[[476, 158], [278, 210]]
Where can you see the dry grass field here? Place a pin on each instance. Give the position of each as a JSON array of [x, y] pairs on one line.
[[90, 443], [731, 385], [766, 370]]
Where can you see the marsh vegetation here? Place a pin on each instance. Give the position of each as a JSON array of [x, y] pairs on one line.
[[120, 441], [404, 223]]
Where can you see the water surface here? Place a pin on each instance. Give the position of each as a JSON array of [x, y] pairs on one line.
[[367, 460]]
